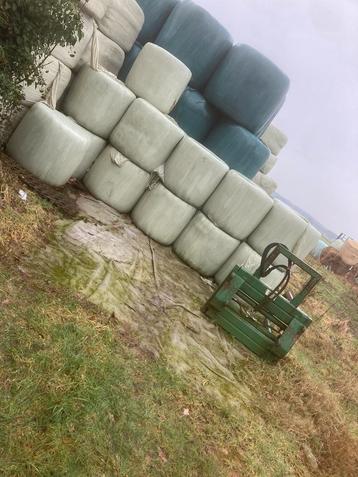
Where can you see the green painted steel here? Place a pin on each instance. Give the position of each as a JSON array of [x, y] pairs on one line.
[[266, 323]]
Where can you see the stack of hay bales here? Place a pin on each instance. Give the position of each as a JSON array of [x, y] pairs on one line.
[[223, 108]]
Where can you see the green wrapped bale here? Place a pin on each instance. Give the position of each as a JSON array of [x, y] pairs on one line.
[[195, 115], [156, 12], [248, 88], [240, 149], [197, 39]]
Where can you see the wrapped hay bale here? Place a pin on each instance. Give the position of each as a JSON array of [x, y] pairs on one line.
[[52, 146], [192, 172], [158, 77], [239, 148], [307, 242], [203, 246], [282, 225], [266, 183], [195, 115], [162, 215], [115, 180], [274, 139], [155, 13], [95, 8], [97, 101], [196, 38], [237, 206], [145, 135], [122, 22], [244, 256], [248, 88], [269, 164], [128, 61]]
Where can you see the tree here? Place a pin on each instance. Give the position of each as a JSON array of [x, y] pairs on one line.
[[29, 31]]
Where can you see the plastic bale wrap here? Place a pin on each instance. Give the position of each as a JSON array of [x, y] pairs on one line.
[[203, 246], [115, 180], [307, 242], [248, 88], [122, 22], [155, 12], [128, 61], [269, 164], [197, 39], [195, 115], [317, 251], [281, 225], [247, 258], [111, 56], [239, 148], [193, 172], [337, 244], [158, 77], [274, 139], [266, 183], [146, 136], [97, 101], [71, 55], [237, 206], [95, 8], [52, 146], [161, 215], [52, 67]]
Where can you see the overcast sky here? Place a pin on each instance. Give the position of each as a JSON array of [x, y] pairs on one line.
[[316, 43]]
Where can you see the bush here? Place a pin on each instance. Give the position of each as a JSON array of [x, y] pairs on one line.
[[29, 31]]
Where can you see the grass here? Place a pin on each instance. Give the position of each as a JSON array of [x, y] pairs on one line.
[[79, 398]]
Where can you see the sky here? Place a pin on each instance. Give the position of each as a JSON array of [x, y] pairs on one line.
[[315, 42]]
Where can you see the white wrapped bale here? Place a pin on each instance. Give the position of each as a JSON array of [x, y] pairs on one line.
[[281, 225], [95, 8], [111, 56], [162, 215], [52, 146], [203, 246], [237, 206], [266, 183], [97, 101], [307, 242], [193, 172], [244, 256], [158, 77], [274, 139], [70, 55], [122, 22], [115, 180], [145, 135], [52, 67], [269, 164]]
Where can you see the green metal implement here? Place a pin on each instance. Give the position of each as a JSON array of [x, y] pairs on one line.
[[260, 318]]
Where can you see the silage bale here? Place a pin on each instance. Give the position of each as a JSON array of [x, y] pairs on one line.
[[110, 57], [197, 39], [248, 88], [237, 206], [269, 164], [128, 61], [158, 77], [317, 251], [97, 101], [161, 215], [266, 183], [155, 12], [203, 246], [122, 22], [145, 135], [245, 257], [71, 55], [115, 180], [51, 68], [274, 139], [95, 8], [52, 146], [281, 225], [195, 115], [192, 172], [239, 148], [307, 242]]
